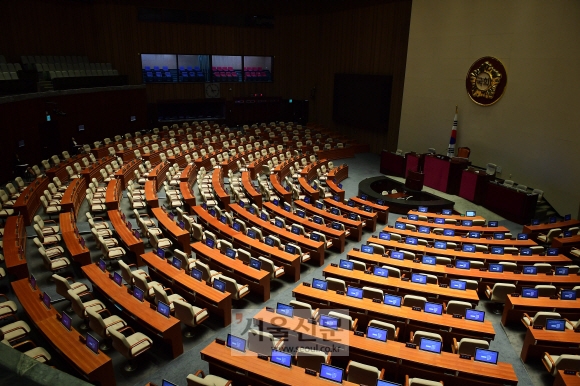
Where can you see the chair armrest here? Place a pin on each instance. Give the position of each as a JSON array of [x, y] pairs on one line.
[[550, 359], [382, 374], [15, 329], [4, 296], [104, 310], [167, 289], [127, 328], [526, 316], [328, 360], [24, 343], [139, 342], [454, 346], [86, 293], [411, 335], [199, 372], [355, 324], [116, 322], [348, 366], [444, 307], [52, 221]]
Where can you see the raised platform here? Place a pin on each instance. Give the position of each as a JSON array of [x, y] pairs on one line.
[[405, 199]]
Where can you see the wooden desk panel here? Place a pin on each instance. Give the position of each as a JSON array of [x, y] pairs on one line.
[[371, 218], [565, 244], [392, 285], [486, 257], [94, 170], [490, 241], [218, 187], [538, 342], [290, 262], [339, 153], [377, 353], [151, 194], [316, 248], [252, 193], [509, 203], [284, 195], [60, 169], [157, 325], [381, 210], [355, 227], [15, 246], [457, 228], [28, 203], [566, 379], [157, 174], [113, 195], [404, 317], [515, 307], [308, 190], [73, 196], [245, 368], [534, 230], [337, 237], [127, 237], [80, 254], [257, 281], [181, 236], [93, 368], [433, 215], [196, 292], [127, 172], [186, 191]]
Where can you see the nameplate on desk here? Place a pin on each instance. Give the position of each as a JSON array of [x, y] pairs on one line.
[[269, 309], [515, 295], [305, 284], [443, 285], [312, 321], [129, 291], [263, 357], [449, 265], [356, 249], [375, 300], [416, 261], [410, 345], [570, 372], [465, 356], [538, 327], [359, 333], [483, 269], [310, 372], [405, 279], [220, 341], [549, 273], [367, 272], [340, 292], [458, 316], [152, 306], [333, 265], [554, 297], [415, 308], [517, 272], [82, 339]]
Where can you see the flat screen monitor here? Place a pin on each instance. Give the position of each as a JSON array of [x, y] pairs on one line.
[[223, 219], [440, 245], [462, 264], [269, 241], [568, 295], [171, 216], [237, 226], [219, 285], [535, 221], [278, 223], [468, 248], [315, 236], [92, 343], [397, 255], [196, 274], [255, 263], [555, 324], [163, 309], [458, 284], [567, 217], [307, 200], [424, 229], [439, 220], [290, 249], [529, 293], [295, 230], [345, 264], [380, 382], [137, 234], [413, 217], [475, 315], [331, 373], [242, 203], [552, 252], [526, 251], [281, 358], [46, 300], [336, 198], [285, 309], [364, 197], [350, 203], [354, 292], [317, 219], [447, 212], [32, 282], [252, 210], [561, 271], [176, 262], [336, 226], [334, 211], [165, 382], [470, 213], [567, 234], [160, 252], [66, 321], [329, 322], [231, 253], [430, 345], [102, 265], [487, 356], [117, 279], [251, 233], [300, 213], [264, 216], [499, 236], [467, 223], [353, 216], [319, 284], [552, 220], [448, 232], [392, 300], [384, 236], [411, 240], [423, 209], [530, 270], [474, 235], [276, 201], [367, 249], [378, 271], [138, 293], [212, 212], [522, 236], [493, 224], [429, 260], [399, 225], [419, 278], [319, 205], [375, 333], [495, 267], [434, 308], [497, 250], [236, 343]]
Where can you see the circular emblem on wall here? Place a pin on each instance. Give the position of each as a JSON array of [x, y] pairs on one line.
[[486, 81]]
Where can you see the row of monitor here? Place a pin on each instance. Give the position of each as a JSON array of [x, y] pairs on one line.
[[471, 213]]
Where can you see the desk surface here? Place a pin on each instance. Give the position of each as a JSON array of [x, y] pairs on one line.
[[440, 215], [127, 237], [73, 244], [543, 228], [515, 307], [461, 239], [167, 328], [175, 232], [14, 242], [355, 226], [445, 362], [370, 218], [457, 228]]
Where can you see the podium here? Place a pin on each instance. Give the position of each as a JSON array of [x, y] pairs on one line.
[[414, 180], [473, 185], [392, 164], [443, 173]]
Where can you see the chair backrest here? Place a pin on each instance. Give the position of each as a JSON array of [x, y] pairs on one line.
[[393, 272], [457, 307], [336, 284], [77, 304], [160, 295], [414, 301], [418, 335], [96, 322], [360, 373], [467, 346], [310, 359], [540, 318], [501, 290], [62, 285], [120, 343], [260, 342], [345, 321], [126, 273]]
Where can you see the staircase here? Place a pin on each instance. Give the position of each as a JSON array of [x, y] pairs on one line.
[[544, 210], [45, 85]]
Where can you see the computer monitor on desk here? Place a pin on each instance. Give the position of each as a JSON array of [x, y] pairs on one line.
[[331, 373]]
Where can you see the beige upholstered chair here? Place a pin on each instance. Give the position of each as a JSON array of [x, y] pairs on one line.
[[553, 363], [189, 315], [539, 318], [392, 331], [80, 307], [103, 326], [130, 346], [304, 310], [311, 359], [346, 322], [467, 346], [263, 342], [206, 380], [420, 382], [362, 374]]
